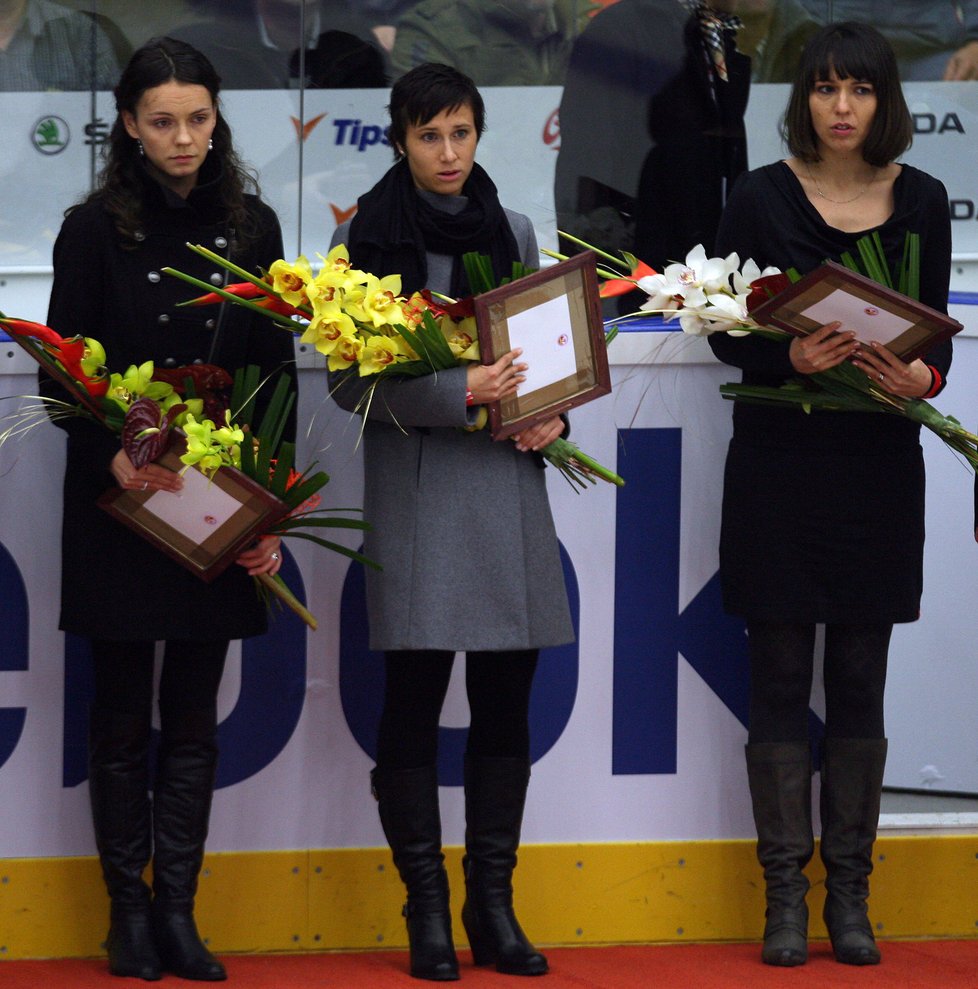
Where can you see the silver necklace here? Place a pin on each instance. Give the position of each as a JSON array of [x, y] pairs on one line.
[[839, 202]]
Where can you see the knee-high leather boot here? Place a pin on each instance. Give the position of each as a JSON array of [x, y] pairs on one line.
[[852, 782], [780, 775], [495, 794], [186, 765], [407, 800], [118, 779]]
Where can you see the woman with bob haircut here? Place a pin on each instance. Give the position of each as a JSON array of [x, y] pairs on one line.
[[462, 526], [823, 513], [171, 175]]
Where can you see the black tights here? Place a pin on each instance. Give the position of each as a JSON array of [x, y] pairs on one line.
[[189, 680], [498, 688], [781, 666]]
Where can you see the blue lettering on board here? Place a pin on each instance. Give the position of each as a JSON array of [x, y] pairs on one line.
[[14, 620]]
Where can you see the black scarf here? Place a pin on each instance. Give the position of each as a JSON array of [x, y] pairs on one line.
[[394, 227]]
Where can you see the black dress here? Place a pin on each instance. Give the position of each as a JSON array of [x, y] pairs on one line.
[[823, 513], [114, 584]]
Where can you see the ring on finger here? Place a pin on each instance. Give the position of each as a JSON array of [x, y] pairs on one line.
[[881, 375], [145, 485], [275, 557]]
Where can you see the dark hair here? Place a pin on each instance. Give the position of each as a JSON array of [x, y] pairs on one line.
[[120, 186], [852, 51], [426, 91]]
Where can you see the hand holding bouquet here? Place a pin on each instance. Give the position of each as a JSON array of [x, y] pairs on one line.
[[147, 407], [719, 295], [354, 318]]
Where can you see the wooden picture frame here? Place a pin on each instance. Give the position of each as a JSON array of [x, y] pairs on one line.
[[554, 315], [832, 292], [204, 526]]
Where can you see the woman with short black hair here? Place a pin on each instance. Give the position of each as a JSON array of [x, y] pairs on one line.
[[462, 526], [823, 512]]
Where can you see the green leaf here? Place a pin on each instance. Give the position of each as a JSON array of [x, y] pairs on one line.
[[336, 548], [306, 488], [243, 392], [283, 467], [340, 523]]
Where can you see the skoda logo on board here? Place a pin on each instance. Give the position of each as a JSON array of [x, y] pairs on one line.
[[50, 135]]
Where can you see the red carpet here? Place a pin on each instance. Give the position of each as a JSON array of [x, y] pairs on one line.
[[906, 965]]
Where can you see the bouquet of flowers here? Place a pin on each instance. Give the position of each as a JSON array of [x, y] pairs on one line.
[[148, 407], [354, 318], [717, 295]]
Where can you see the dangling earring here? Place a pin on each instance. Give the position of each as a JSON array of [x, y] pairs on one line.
[[142, 152], [210, 144]]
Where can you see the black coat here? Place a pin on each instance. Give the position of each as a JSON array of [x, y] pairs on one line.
[[823, 513], [114, 584]]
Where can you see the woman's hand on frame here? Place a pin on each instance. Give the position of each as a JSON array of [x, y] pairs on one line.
[[494, 382], [886, 370], [152, 477], [821, 350], [538, 436]]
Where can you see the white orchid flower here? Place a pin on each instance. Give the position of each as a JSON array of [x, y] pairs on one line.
[[743, 279], [661, 296]]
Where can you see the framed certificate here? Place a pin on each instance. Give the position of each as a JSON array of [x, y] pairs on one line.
[[554, 315], [205, 525], [832, 292]]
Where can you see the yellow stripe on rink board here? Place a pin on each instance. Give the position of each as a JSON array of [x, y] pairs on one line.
[[565, 894]]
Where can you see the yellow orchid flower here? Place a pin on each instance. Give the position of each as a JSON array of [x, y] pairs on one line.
[[414, 310], [338, 262], [93, 358], [326, 330], [289, 279], [195, 406], [462, 337], [333, 279], [346, 353], [125, 388], [379, 352], [381, 304], [210, 447]]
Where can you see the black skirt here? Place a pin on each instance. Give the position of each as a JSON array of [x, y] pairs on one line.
[[818, 537]]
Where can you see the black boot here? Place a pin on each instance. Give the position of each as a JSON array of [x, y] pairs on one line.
[[495, 793], [852, 782], [118, 780], [408, 803], [186, 765], [780, 777]]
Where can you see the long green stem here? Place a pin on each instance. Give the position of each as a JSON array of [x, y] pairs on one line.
[[275, 585], [282, 320], [576, 466], [590, 247]]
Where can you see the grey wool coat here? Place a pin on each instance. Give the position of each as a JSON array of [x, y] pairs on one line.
[[461, 524]]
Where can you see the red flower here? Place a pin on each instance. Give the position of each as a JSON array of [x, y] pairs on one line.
[[766, 288], [248, 290], [24, 328], [621, 286]]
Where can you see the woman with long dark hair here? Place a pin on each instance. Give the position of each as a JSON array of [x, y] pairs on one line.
[[823, 513], [462, 526], [171, 176]]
